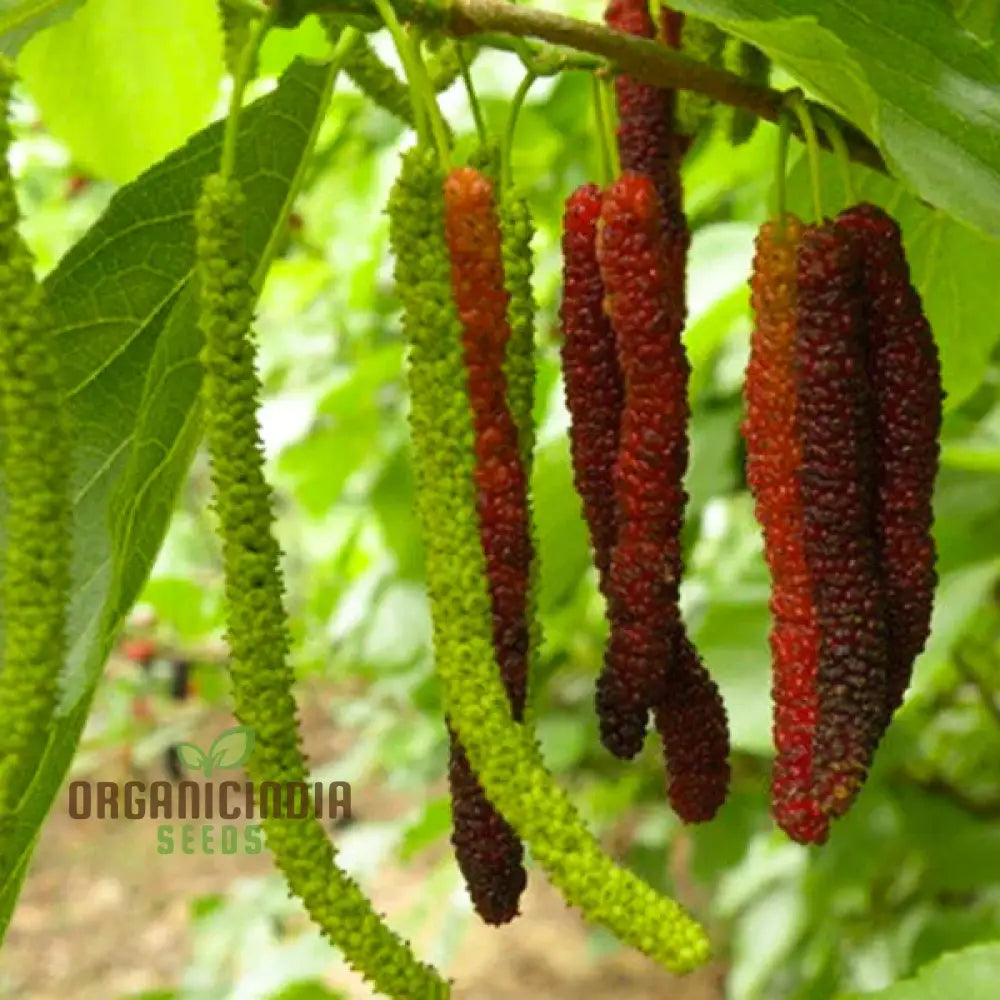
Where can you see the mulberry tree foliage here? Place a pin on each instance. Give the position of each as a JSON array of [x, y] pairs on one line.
[[843, 427]]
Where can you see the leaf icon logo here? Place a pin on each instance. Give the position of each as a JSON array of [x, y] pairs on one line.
[[193, 758], [231, 748], [228, 750]]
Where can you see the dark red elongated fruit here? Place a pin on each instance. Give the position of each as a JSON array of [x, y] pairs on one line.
[[646, 309], [691, 718], [595, 393], [694, 730], [488, 851], [647, 142], [905, 377], [837, 480], [774, 458]]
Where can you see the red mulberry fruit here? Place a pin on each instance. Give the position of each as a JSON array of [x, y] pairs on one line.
[[487, 849], [595, 394], [906, 384], [774, 458], [647, 139], [646, 310], [694, 730], [837, 481]]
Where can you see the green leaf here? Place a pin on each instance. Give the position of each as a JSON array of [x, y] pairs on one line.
[[123, 83], [981, 17], [945, 929], [919, 85], [954, 268], [232, 748], [123, 307], [20, 19], [971, 974], [281, 47]]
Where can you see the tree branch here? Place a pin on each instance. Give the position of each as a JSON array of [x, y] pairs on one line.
[[640, 58]]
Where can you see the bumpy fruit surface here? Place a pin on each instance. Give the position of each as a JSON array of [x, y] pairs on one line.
[[905, 375], [774, 458], [690, 717], [694, 730], [646, 310], [837, 480], [595, 392], [488, 851], [647, 139], [256, 624], [35, 460]]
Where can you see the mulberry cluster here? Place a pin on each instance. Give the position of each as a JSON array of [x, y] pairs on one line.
[[518, 230], [843, 409], [647, 316], [489, 853], [505, 757], [833, 415], [491, 864], [774, 456], [625, 376], [691, 721]]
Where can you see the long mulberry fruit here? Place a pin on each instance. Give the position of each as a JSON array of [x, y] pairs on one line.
[[595, 393], [690, 716], [774, 458], [489, 852], [647, 139], [256, 625], [837, 480], [37, 524], [520, 366], [905, 377], [647, 315], [692, 724]]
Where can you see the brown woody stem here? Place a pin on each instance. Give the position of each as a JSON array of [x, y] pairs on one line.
[[640, 58]]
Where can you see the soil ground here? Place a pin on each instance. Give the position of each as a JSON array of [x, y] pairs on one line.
[[103, 916]]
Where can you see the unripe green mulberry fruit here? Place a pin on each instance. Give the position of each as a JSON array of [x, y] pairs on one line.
[[37, 528], [255, 616]]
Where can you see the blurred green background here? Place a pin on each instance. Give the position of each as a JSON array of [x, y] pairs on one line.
[[911, 873]]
